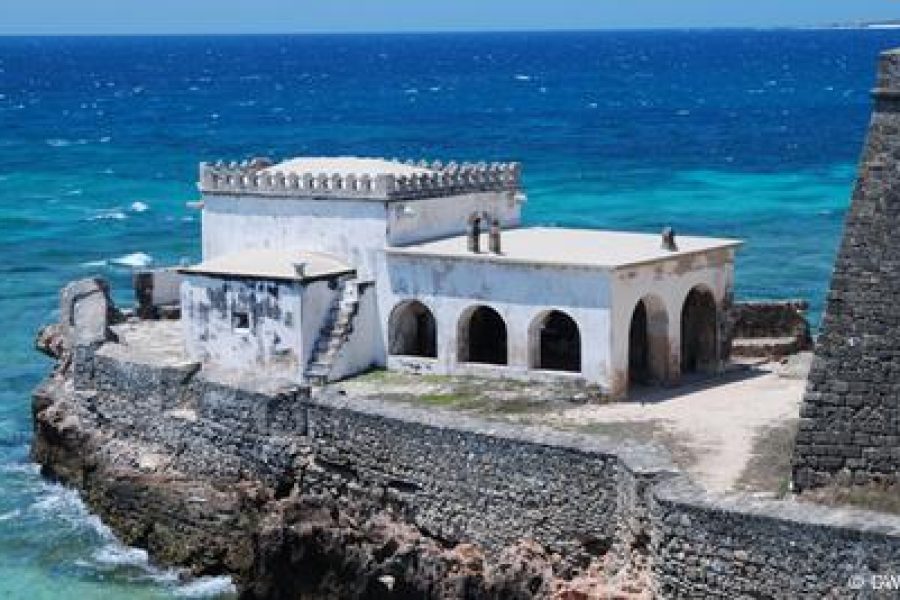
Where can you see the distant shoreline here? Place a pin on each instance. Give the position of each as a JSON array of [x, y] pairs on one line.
[[875, 26]]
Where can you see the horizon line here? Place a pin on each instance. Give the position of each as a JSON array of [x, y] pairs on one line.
[[873, 26]]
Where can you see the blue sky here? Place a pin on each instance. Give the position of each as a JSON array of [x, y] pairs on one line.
[[263, 16]]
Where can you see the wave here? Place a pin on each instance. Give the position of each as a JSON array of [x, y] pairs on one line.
[[135, 259], [206, 587], [139, 206], [117, 554], [520, 77], [27, 468], [92, 264], [60, 503], [8, 516], [108, 215], [64, 143]]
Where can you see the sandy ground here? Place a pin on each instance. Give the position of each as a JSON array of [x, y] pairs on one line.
[[716, 420]]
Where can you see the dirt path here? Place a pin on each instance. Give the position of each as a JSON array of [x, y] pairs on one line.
[[717, 421]]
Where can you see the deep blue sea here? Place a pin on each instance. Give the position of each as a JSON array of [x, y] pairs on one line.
[[750, 134]]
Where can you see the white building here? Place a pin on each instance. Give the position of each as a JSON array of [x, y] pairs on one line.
[[320, 268]]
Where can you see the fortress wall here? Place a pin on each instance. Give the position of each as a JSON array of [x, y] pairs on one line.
[[468, 481], [463, 479], [850, 418], [211, 429], [737, 547]]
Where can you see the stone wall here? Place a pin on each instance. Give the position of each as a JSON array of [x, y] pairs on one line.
[[463, 480], [739, 547], [850, 418], [769, 328], [460, 480]]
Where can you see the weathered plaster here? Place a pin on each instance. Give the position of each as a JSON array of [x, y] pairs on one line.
[[272, 337]]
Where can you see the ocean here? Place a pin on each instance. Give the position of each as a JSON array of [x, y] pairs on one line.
[[747, 134]]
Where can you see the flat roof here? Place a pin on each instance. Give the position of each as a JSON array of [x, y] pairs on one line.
[[569, 247], [346, 165], [272, 264]]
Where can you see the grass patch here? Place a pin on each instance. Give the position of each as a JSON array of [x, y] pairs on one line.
[[448, 400], [769, 467], [880, 497]]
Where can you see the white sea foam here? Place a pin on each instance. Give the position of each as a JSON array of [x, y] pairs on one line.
[[58, 503], [206, 587], [108, 215], [138, 206], [62, 143], [23, 467], [521, 77], [92, 264], [8, 516], [117, 554], [135, 259]]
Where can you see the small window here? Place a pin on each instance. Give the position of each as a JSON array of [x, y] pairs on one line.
[[240, 320]]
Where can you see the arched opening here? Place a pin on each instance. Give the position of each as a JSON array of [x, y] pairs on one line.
[[482, 336], [412, 330], [699, 333], [648, 343], [555, 342]]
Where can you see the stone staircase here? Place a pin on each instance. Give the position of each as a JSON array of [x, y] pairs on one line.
[[337, 328]]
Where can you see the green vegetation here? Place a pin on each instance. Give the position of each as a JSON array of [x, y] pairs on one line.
[[769, 467]]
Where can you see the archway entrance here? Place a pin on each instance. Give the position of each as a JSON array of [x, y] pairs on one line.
[[648, 343], [555, 343], [482, 336], [699, 333], [412, 330]]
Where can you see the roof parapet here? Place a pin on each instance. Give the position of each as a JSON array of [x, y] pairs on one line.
[[442, 180]]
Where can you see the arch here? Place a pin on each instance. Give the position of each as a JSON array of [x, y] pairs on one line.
[[555, 342], [412, 330], [699, 332], [648, 342], [482, 336]]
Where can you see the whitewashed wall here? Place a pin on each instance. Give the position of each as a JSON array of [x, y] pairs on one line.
[[670, 282], [273, 338], [426, 219], [519, 293], [317, 298], [363, 348], [351, 229], [355, 230]]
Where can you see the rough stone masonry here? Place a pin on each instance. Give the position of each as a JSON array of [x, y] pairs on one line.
[[850, 418]]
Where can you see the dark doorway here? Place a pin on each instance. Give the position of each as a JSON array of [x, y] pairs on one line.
[[412, 330], [483, 337], [699, 339], [648, 343], [639, 347], [558, 343]]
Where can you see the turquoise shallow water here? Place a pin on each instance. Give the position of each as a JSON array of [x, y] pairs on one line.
[[744, 133]]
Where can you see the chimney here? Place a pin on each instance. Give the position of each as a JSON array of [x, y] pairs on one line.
[[668, 240], [494, 237], [474, 234]]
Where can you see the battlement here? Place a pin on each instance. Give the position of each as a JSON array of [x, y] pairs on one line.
[[435, 179]]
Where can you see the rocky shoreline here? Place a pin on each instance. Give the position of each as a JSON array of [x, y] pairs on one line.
[[276, 534]]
